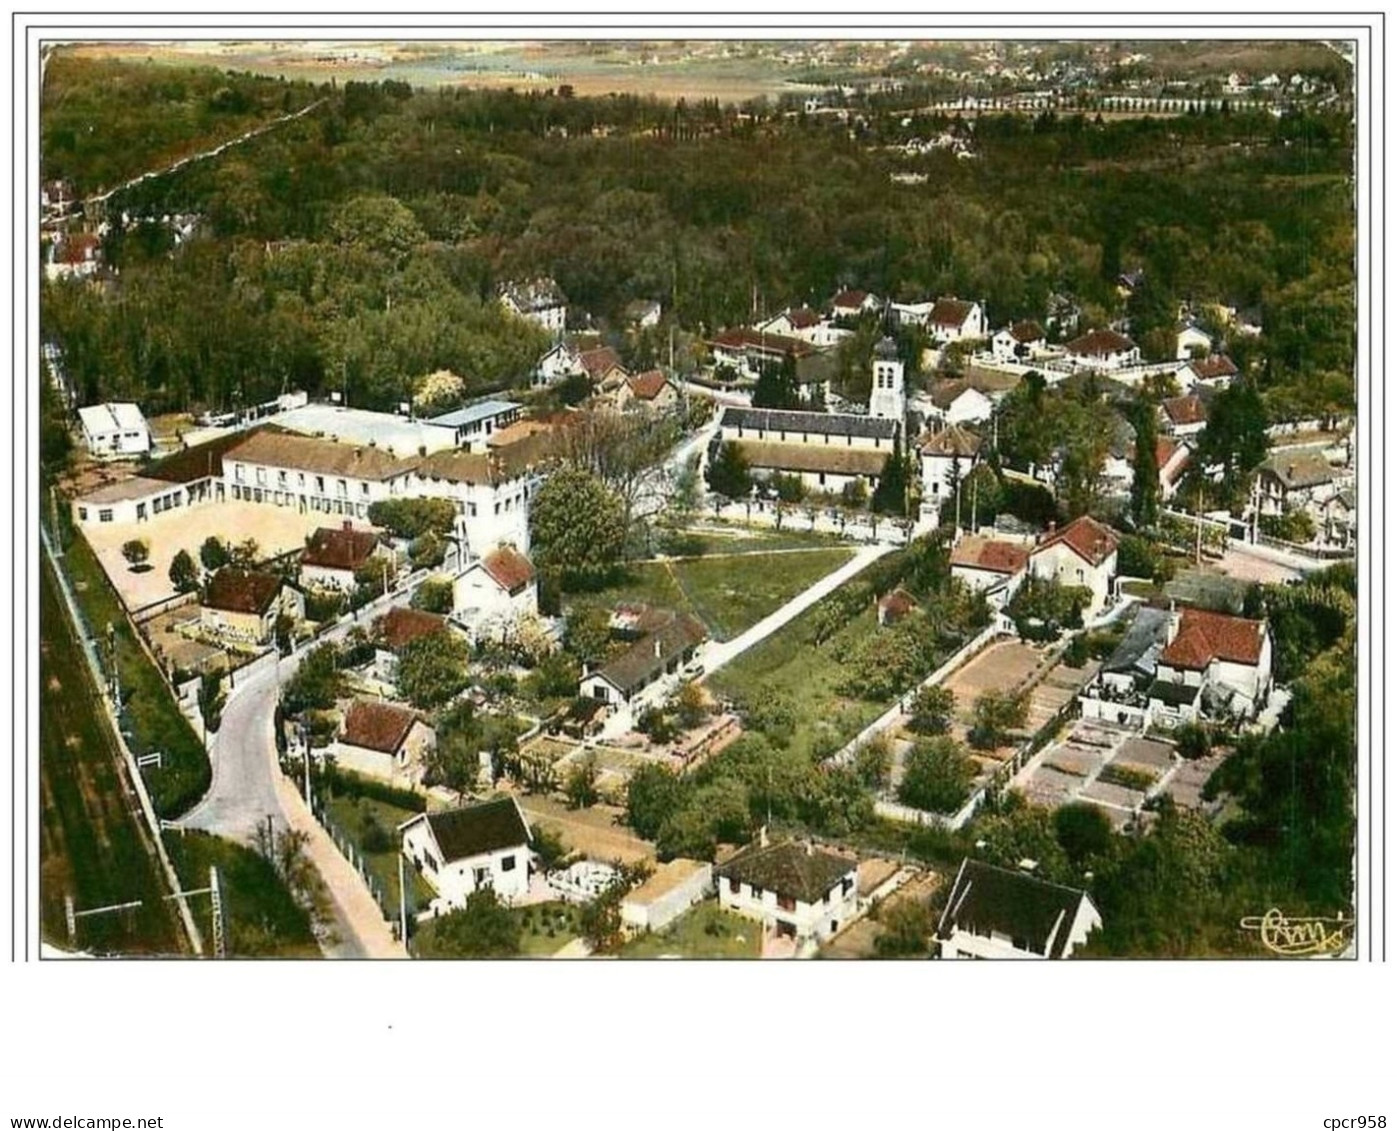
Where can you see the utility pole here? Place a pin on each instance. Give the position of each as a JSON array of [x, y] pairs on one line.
[[1198, 543], [974, 501], [402, 894]]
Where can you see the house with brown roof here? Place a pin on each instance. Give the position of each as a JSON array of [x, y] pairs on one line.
[[1216, 371], [893, 606], [333, 556], [384, 741], [1019, 341], [460, 851], [1081, 555], [796, 891], [1295, 480], [538, 300], [394, 631], [495, 594], [1102, 349], [852, 303], [243, 605], [603, 367], [1211, 662], [992, 566], [1183, 416], [658, 653], [955, 320], [946, 457], [649, 391]]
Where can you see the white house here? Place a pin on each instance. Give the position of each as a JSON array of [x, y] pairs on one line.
[[136, 499], [955, 320], [655, 655], [1191, 339], [1294, 480], [1082, 554], [495, 593], [946, 457], [993, 912], [563, 360], [1217, 371], [313, 475], [538, 300], [1184, 416], [853, 303], [332, 557], [669, 891], [460, 851], [384, 741], [643, 313], [990, 565], [1020, 341], [1214, 661], [114, 431], [794, 890], [1102, 349], [474, 424]]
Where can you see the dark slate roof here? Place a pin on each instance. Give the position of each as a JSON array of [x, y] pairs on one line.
[[789, 869], [203, 461], [1014, 904], [344, 549], [1140, 647], [462, 833], [815, 423], [236, 591], [649, 655]]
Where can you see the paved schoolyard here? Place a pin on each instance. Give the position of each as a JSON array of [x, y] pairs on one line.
[[276, 529]]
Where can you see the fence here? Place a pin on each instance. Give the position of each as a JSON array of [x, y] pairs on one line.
[[351, 852], [155, 608]]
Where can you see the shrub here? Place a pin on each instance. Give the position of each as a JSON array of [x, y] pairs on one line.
[[937, 776], [1077, 652], [1127, 777], [1193, 741]]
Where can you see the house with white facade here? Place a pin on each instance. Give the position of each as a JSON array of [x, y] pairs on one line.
[[460, 851], [1213, 663], [332, 557], [658, 653], [561, 361], [650, 391], [796, 891], [1190, 340], [643, 313], [955, 320], [114, 431], [853, 304], [993, 566], [747, 351], [394, 631], [1102, 350], [473, 425], [826, 449], [1082, 554], [994, 912], [495, 594], [384, 741], [1019, 341], [946, 458], [538, 300], [1298, 479], [137, 499], [1217, 372], [1183, 416]]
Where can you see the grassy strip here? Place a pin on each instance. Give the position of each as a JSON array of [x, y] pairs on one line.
[[351, 815], [91, 843], [150, 713], [705, 932], [545, 928], [264, 920]]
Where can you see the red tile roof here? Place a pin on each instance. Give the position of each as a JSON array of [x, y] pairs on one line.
[[1088, 539], [952, 441], [1165, 450], [510, 569], [598, 362], [848, 300], [376, 726], [802, 318], [1211, 368], [399, 627], [1204, 636], [990, 555], [950, 312], [1185, 410], [235, 591], [897, 604], [1027, 331], [1100, 343], [339, 549], [647, 386], [744, 338]]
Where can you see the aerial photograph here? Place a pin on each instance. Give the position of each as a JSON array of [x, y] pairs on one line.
[[697, 499]]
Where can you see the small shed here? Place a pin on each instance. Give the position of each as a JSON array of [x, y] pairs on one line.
[[669, 892]]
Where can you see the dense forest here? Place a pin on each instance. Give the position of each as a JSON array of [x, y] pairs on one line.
[[358, 246]]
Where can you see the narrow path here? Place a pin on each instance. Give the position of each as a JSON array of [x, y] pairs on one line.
[[715, 655]]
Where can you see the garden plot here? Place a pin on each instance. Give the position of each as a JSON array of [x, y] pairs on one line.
[[1003, 665], [1051, 787], [1186, 786], [1080, 761], [1058, 688], [1148, 752], [1117, 795]]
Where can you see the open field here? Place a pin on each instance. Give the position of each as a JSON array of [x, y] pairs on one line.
[[277, 530], [728, 592], [597, 833], [92, 845], [150, 714], [707, 931], [264, 920]]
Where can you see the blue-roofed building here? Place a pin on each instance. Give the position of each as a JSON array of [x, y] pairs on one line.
[[474, 424]]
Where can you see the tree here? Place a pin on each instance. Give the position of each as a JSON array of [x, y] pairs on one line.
[[484, 928], [1084, 831], [211, 699], [282, 634], [427, 551], [581, 782], [184, 574], [873, 762], [317, 683], [579, 529], [690, 705], [136, 552], [931, 711], [245, 554], [600, 920], [907, 929], [997, 713], [729, 474], [412, 518], [776, 385], [653, 795], [936, 776], [433, 669], [1234, 439], [1144, 484], [214, 553], [588, 633], [890, 495], [434, 595]]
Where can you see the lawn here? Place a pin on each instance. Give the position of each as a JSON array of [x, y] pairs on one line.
[[790, 665], [264, 920], [92, 845], [729, 592], [722, 538], [350, 815], [150, 713], [705, 932]]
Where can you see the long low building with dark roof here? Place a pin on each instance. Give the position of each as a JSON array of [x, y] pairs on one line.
[[827, 450]]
